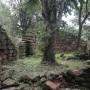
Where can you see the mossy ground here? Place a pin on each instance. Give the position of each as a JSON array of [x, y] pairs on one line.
[[32, 65]]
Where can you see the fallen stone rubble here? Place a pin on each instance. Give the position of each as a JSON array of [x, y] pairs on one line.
[[69, 79]]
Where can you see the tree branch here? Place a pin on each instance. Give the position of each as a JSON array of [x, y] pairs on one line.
[[87, 15], [86, 6], [61, 8]]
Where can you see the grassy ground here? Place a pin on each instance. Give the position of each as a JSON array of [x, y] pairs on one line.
[[32, 65]]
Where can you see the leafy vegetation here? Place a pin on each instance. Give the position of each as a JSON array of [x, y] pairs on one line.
[[38, 26], [32, 66]]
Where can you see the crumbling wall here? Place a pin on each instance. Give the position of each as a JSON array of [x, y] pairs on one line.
[[21, 50], [8, 51], [28, 45], [68, 43]]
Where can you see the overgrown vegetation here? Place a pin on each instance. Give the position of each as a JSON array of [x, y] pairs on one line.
[[50, 37], [32, 65]]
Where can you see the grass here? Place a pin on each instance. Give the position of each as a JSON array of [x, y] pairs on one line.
[[32, 65]]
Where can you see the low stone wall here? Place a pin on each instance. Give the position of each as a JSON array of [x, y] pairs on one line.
[[68, 43]]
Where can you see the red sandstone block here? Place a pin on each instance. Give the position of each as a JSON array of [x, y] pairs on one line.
[[52, 85]]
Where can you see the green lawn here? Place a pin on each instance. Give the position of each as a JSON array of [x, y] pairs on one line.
[[32, 65]]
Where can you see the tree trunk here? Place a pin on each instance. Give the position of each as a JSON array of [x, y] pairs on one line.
[[79, 37], [52, 18], [0, 71], [49, 51]]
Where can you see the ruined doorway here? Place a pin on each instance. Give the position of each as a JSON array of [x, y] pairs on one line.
[[29, 49]]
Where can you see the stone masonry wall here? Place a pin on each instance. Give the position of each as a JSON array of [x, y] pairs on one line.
[[68, 44], [28, 45], [8, 51]]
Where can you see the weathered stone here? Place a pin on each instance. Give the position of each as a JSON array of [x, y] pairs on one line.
[[9, 82], [25, 79], [43, 79], [49, 85], [28, 45], [24, 87], [87, 62], [5, 74], [12, 88], [7, 48]]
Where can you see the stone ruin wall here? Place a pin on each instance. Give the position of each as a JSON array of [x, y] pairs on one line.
[[27, 45], [68, 44], [8, 51]]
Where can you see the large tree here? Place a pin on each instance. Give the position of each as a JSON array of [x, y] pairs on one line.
[[83, 15], [52, 11], [20, 13]]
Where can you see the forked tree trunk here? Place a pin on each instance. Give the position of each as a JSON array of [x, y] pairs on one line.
[[52, 18]]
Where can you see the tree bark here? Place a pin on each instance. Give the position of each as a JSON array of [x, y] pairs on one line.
[[52, 18], [79, 37], [0, 70], [49, 51]]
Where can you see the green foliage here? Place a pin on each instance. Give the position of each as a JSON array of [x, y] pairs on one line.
[[42, 35], [32, 6], [29, 8], [5, 17], [32, 66], [86, 32], [68, 30]]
